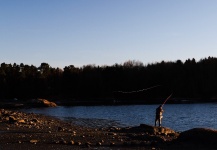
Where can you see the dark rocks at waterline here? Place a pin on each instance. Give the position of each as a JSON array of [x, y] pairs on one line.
[[199, 136], [146, 134], [196, 138], [157, 130], [148, 129]]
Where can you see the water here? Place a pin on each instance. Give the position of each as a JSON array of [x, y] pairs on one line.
[[179, 117]]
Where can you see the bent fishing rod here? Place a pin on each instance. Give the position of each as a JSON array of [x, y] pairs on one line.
[[167, 99]]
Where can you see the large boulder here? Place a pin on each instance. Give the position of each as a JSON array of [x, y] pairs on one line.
[[199, 136], [152, 130], [156, 130], [43, 103]]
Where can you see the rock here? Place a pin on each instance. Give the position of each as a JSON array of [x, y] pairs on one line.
[[33, 141], [34, 120], [88, 144], [60, 129], [111, 133], [43, 103], [77, 143], [199, 136], [21, 121], [12, 119], [49, 104], [156, 130], [74, 133], [98, 144], [63, 142], [32, 123], [112, 144], [72, 142]]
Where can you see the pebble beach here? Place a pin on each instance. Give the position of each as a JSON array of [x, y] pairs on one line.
[[19, 130]]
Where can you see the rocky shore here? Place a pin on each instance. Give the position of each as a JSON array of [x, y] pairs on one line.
[[19, 130]]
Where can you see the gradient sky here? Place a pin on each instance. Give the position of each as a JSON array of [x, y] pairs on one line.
[[105, 32]]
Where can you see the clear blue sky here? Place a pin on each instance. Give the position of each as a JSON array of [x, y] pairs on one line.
[[105, 32]]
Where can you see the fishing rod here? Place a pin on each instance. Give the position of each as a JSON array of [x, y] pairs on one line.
[[167, 99]]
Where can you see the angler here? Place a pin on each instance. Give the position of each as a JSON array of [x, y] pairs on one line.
[[159, 113]]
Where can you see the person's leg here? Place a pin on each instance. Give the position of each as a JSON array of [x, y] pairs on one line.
[[155, 122], [160, 122]]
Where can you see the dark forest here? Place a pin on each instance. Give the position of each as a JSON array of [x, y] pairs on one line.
[[189, 80]]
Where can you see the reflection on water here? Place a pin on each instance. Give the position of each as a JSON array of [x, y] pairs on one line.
[[179, 117]]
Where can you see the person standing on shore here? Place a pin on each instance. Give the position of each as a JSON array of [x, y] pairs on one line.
[[159, 115]]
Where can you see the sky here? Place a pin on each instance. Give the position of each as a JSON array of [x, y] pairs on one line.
[[106, 32]]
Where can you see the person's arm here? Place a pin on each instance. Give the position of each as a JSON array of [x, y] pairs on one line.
[[162, 110]]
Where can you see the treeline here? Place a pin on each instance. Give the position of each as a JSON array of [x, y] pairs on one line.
[[129, 81]]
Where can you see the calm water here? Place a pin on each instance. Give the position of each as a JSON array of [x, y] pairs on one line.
[[179, 117]]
